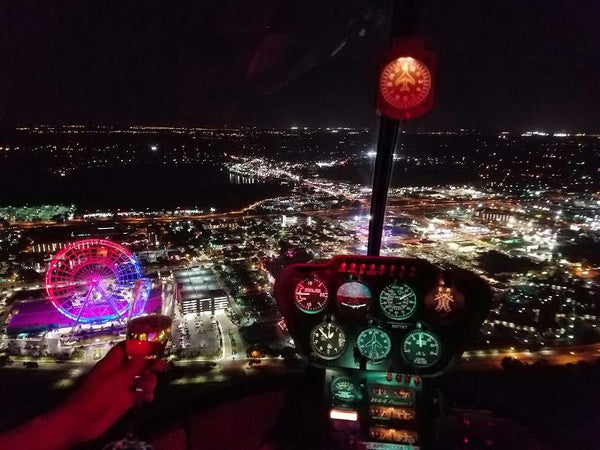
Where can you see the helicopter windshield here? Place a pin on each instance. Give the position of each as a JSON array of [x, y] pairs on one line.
[[186, 155]]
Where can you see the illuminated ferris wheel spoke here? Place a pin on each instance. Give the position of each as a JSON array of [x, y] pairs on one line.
[[110, 302], [83, 306]]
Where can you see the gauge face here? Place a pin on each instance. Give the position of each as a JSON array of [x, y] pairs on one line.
[[345, 390], [354, 296], [398, 301], [328, 340], [311, 296], [405, 82], [421, 348], [374, 344]]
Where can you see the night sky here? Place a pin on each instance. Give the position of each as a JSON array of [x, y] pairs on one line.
[[512, 64]]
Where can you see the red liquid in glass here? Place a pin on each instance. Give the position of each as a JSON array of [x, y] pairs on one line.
[[147, 336]]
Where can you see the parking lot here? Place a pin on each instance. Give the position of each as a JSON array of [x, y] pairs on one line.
[[197, 335]]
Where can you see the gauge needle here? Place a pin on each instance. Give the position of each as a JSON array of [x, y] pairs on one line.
[[420, 340], [323, 333], [405, 296]]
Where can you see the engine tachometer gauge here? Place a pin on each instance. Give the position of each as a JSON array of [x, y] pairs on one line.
[[311, 296], [354, 296], [421, 348], [398, 301], [328, 340], [345, 390], [374, 344]]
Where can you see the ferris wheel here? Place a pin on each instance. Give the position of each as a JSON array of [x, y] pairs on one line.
[[92, 280]]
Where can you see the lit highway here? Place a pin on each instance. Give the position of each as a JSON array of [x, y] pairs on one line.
[[492, 359]]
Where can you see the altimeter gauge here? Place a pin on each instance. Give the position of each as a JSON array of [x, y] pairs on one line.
[[328, 340], [311, 296]]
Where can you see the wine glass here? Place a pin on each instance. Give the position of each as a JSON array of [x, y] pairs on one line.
[[148, 330]]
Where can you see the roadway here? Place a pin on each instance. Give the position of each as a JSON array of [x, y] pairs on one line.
[[492, 359]]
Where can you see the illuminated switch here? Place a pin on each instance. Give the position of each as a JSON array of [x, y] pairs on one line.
[[381, 269], [343, 267], [389, 376], [399, 378], [363, 266], [407, 378]]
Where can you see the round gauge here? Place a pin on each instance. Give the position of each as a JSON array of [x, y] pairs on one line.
[[374, 344], [354, 296], [421, 348], [344, 389], [328, 340], [311, 296], [405, 82], [398, 301]]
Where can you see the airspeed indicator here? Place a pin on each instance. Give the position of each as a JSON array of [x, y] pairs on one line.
[[398, 301]]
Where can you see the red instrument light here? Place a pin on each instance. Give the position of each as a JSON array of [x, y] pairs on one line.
[[406, 80], [389, 376]]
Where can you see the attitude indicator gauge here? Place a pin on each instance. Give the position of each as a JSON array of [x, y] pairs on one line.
[[345, 390], [421, 348], [354, 296], [398, 301], [328, 340], [311, 296], [374, 344]]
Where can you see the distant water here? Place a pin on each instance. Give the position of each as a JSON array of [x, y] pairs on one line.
[[138, 187]]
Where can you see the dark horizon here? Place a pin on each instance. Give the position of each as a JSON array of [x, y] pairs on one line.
[[501, 66]]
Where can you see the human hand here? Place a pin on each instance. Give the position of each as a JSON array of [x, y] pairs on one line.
[[108, 392], [104, 395]]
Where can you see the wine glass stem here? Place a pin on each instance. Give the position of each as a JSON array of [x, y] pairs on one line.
[[135, 414]]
